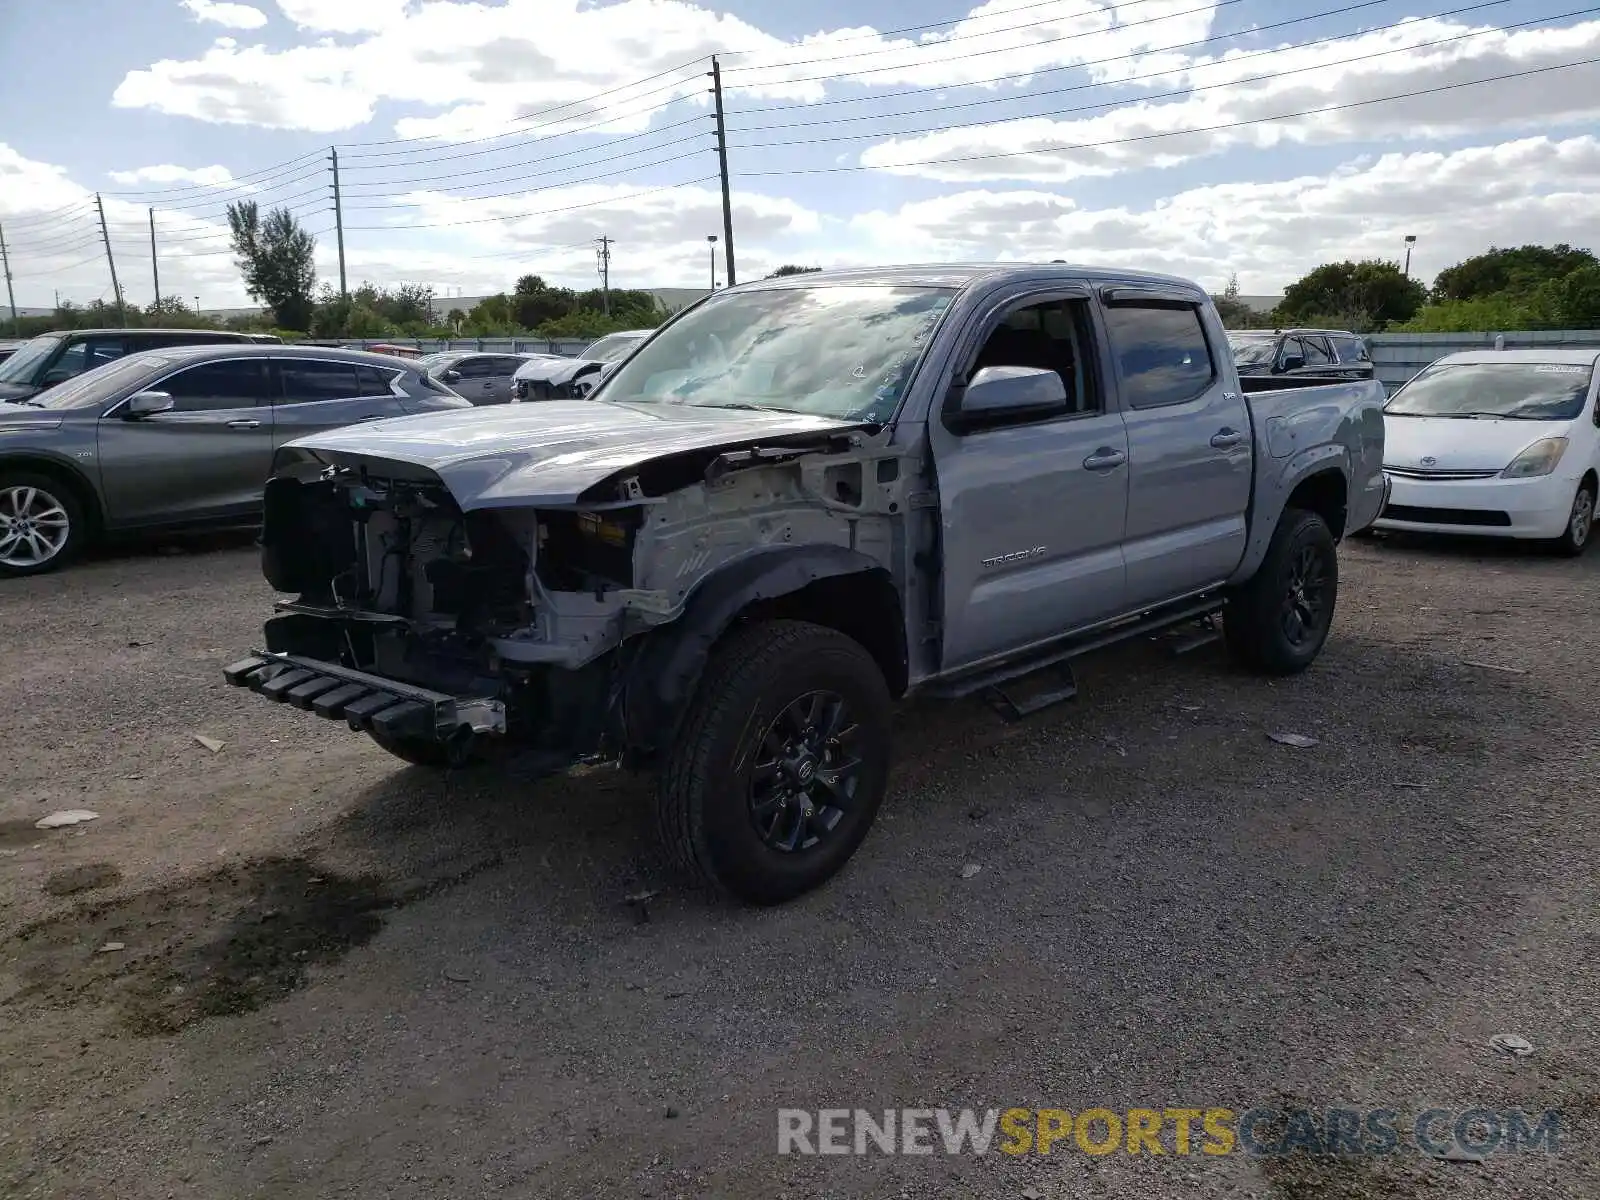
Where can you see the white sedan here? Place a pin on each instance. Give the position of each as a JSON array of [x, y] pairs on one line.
[[1497, 443]]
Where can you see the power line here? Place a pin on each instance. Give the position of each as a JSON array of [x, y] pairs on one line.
[[956, 20], [543, 188], [1184, 91], [521, 141], [1147, 137], [520, 174], [1066, 37], [879, 97], [609, 93], [231, 184], [544, 212]]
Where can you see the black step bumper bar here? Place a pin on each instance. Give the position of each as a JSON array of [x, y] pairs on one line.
[[365, 702]]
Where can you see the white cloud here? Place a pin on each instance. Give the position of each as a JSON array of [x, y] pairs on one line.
[[1458, 203], [1204, 122], [482, 67], [344, 16], [169, 173], [234, 16]]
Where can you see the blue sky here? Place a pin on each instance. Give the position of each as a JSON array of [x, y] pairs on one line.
[[482, 140]]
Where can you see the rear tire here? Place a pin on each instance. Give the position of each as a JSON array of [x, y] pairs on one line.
[[781, 764], [1278, 621], [42, 524], [1575, 539]]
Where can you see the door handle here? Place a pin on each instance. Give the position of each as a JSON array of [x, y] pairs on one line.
[[1226, 439], [244, 423], [1104, 459]]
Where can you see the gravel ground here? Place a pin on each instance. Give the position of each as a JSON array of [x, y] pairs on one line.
[[343, 977]]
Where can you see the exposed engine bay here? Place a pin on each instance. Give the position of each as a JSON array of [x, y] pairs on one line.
[[521, 606]]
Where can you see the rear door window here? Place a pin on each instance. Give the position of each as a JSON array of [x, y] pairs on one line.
[[307, 380], [1161, 351], [375, 381], [1317, 352]]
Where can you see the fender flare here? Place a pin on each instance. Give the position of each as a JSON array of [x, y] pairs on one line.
[[1279, 487], [662, 675]]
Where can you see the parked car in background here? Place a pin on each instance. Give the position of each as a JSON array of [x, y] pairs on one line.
[[1319, 353], [177, 438], [1503, 443], [799, 500], [53, 358], [410, 352], [575, 378], [481, 377]]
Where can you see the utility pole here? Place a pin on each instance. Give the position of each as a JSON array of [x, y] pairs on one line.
[[1411, 240], [722, 163], [122, 313], [603, 255], [155, 270], [5, 262], [338, 220]]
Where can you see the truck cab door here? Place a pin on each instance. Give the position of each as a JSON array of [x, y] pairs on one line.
[[1190, 448], [1031, 511]]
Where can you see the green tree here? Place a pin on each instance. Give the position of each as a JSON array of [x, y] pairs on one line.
[[277, 259], [1517, 269], [1360, 296], [791, 269], [1234, 312], [173, 313], [1575, 298]]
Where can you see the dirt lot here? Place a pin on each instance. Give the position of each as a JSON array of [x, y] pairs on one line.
[[340, 976]]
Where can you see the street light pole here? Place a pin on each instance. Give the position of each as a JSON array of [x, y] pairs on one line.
[[1411, 240], [711, 241]]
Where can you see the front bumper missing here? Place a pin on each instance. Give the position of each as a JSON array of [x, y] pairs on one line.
[[369, 703]]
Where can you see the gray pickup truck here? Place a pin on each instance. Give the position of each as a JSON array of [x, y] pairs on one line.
[[798, 501]]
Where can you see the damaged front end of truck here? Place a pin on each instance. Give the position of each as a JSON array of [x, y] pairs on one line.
[[535, 594]]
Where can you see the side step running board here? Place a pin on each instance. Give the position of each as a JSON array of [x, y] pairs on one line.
[[1061, 654]]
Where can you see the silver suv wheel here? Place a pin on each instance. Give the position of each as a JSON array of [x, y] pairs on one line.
[[34, 526]]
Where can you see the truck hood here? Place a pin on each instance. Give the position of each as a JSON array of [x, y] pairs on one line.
[[1459, 443], [551, 453]]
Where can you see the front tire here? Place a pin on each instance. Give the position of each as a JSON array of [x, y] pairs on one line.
[[1574, 540], [781, 764], [1277, 622], [437, 756], [42, 525]]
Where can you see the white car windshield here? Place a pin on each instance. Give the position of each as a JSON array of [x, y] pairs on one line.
[[842, 351], [1518, 391]]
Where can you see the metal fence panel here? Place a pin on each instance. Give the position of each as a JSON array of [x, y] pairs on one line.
[[1399, 356], [491, 345]]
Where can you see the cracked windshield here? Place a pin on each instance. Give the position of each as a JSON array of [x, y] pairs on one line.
[[835, 351]]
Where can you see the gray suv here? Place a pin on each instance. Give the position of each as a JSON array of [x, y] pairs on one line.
[[178, 438], [53, 358]]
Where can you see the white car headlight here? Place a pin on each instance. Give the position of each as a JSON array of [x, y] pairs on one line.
[[1538, 459]]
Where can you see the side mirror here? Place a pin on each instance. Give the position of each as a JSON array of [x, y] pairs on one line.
[[451, 376], [1291, 362], [146, 404], [999, 393]]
